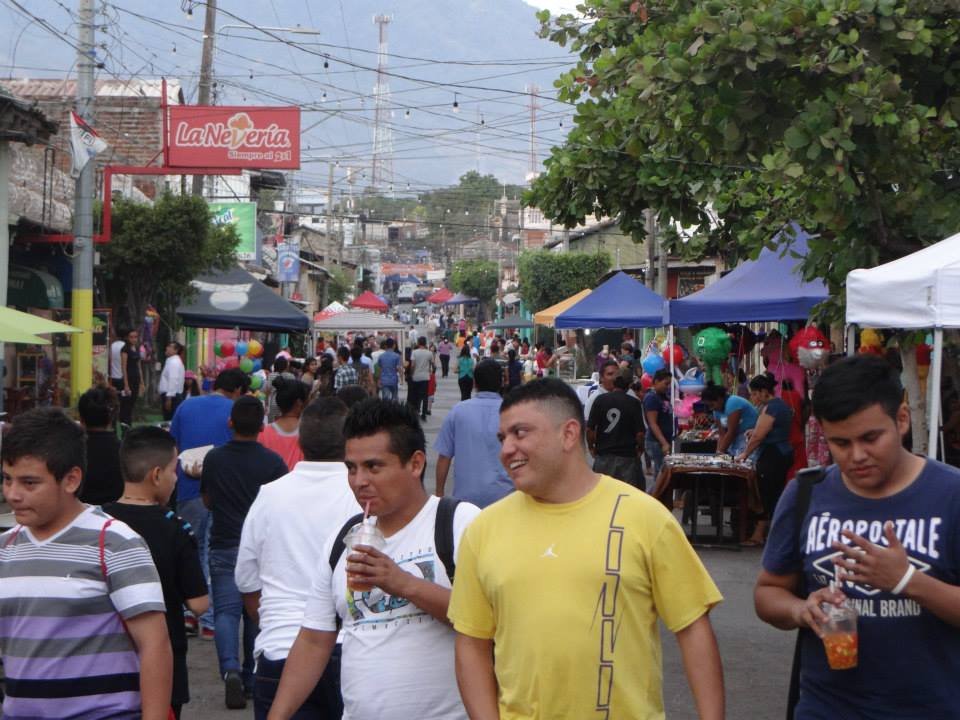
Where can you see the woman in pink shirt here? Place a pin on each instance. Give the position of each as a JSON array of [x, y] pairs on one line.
[[283, 435]]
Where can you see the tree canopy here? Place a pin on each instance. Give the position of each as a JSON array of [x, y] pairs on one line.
[[546, 278], [732, 119], [156, 250], [476, 278]]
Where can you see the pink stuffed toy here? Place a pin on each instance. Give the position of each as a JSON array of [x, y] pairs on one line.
[[778, 363]]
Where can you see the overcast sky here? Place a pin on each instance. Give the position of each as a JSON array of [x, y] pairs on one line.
[[555, 6]]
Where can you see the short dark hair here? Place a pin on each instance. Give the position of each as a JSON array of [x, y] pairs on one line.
[[422, 340], [176, 345], [350, 395], [713, 392], [662, 374], [356, 352], [855, 383], [488, 376], [621, 382], [49, 435], [613, 363], [763, 382], [288, 392], [321, 430], [343, 352], [247, 416], [389, 342], [230, 380], [374, 416], [280, 364], [551, 391], [144, 448], [96, 407]]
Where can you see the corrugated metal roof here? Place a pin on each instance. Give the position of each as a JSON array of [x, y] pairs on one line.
[[61, 87]]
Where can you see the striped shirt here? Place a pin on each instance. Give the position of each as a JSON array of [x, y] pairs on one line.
[[65, 650]]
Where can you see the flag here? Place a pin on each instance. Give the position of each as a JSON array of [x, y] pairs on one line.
[[84, 143]]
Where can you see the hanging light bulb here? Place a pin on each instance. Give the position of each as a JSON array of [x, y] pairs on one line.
[[323, 97], [174, 48], [482, 121], [326, 63], [456, 104], [251, 74], [407, 113]]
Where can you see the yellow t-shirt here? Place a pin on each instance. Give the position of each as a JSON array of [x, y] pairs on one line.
[[571, 594]]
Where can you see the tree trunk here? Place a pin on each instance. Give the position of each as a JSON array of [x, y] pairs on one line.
[[917, 400]]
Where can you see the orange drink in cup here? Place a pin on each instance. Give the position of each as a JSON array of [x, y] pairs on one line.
[[840, 636]]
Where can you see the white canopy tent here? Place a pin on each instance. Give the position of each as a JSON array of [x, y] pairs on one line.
[[921, 290], [362, 321]]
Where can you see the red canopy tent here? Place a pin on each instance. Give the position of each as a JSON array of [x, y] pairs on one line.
[[369, 301], [440, 296]]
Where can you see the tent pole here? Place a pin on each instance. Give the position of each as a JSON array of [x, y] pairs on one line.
[[851, 340], [673, 384], [936, 368]]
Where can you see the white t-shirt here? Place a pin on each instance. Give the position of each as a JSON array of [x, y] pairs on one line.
[[116, 372], [420, 361], [590, 399], [397, 660], [283, 536]]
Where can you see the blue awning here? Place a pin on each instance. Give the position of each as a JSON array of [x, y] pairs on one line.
[[620, 302], [768, 288]]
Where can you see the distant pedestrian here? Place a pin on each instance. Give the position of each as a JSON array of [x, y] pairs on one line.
[[465, 365], [281, 435], [170, 387], [103, 479], [443, 350], [389, 376], [421, 361], [345, 374], [131, 366], [615, 433]]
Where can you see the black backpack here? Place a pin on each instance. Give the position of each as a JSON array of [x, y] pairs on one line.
[[806, 479], [442, 535]]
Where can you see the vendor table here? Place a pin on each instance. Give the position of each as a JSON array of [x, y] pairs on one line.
[[721, 478], [697, 442]]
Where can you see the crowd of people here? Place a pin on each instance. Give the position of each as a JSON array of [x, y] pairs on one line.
[[295, 530]]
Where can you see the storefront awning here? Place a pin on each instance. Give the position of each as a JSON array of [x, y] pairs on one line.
[[32, 288]]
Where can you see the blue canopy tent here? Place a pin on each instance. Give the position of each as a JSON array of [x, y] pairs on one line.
[[461, 299], [620, 302], [768, 288]]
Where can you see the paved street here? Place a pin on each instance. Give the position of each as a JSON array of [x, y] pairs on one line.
[[756, 658]]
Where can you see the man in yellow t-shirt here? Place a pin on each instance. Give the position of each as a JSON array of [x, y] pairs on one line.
[[559, 586]]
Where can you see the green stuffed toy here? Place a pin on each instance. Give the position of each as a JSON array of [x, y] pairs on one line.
[[712, 346]]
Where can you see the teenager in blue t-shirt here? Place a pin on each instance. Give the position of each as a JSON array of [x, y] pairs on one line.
[[885, 525], [736, 414]]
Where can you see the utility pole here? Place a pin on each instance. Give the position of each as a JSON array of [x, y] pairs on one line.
[[662, 261], [381, 172], [651, 249], [330, 211], [81, 344], [206, 71]]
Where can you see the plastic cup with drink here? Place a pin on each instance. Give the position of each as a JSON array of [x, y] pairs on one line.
[[840, 635], [364, 533]]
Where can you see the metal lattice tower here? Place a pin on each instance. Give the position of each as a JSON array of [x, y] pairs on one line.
[[534, 168], [381, 174]]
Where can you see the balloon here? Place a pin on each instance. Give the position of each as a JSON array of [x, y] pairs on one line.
[[712, 346], [257, 364], [217, 349], [254, 348], [255, 382], [230, 363], [242, 348], [246, 364], [227, 349], [651, 363], [677, 355], [646, 381]]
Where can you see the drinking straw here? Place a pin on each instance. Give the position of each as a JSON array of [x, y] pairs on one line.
[[366, 511]]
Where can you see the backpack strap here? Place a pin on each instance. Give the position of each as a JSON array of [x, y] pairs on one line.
[[443, 534], [103, 551], [338, 547], [13, 536], [806, 479]]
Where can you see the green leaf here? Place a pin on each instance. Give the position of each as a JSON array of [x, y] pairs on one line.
[[795, 138], [793, 170]]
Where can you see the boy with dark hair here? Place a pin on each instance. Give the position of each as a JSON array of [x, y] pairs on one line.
[[615, 559], [615, 432], [232, 476], [281, 548], [149, 460], [397, 646], [884, 526], [658, 416], [83, 632], [102, 481]]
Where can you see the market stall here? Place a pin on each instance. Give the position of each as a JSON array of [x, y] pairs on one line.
[[368, 301], [921, 290], [547, 316], [362, 321], [620, 302]]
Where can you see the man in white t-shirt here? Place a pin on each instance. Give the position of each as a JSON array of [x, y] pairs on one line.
[[421, 361], [116, 369], [398, 661], [280, 550]]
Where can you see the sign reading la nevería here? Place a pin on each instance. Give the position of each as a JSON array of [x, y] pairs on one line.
[[234, 137]]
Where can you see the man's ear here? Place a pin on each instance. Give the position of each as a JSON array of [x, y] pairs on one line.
[[417, 462], [903, 419], [572, 431], [72, 480]]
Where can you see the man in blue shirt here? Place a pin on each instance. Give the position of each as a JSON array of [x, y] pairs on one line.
[[658, 416], [198, 421], [881, 532], [389, 364], [469, 435]]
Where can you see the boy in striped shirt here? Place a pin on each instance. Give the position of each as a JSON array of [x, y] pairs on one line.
[[82, 630]]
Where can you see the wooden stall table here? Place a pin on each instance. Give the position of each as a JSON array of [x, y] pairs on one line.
[[716, 474], [697, 442]]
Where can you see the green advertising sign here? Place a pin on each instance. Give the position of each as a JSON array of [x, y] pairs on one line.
[[243, 216]]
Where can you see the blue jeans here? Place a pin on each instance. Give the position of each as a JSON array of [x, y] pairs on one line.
[[195, 513], [655, 453], [324, 703], [228, 614], [389, 392]]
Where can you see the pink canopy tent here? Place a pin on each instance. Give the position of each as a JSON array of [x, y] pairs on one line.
[[440, 296]]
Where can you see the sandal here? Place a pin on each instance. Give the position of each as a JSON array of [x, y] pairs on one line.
[[752, 542]]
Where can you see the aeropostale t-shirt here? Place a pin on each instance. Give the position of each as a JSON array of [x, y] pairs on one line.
[[908, 659]]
